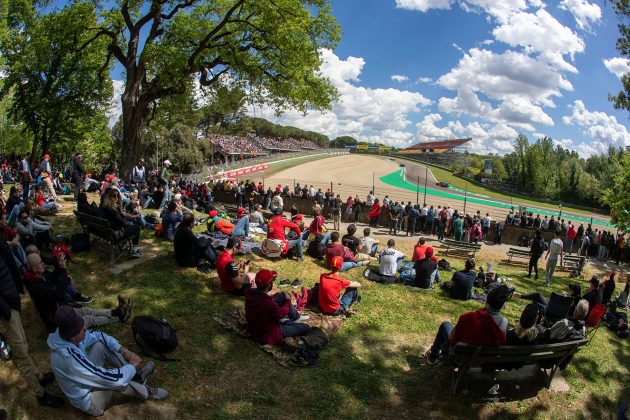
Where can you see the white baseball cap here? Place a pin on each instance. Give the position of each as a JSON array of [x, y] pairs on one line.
[[167, 162], [178, 197]]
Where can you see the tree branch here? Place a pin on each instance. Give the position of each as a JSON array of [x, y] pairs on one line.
[[176, 9], [124, 10]]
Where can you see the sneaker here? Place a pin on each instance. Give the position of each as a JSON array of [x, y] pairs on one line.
[[285, 282], [357, 300], [47, 378], [431, 361], [49, 400], [296, 283], [366, 262], [136, 253], [157, 393], [121, 300], [127, 309], [83, 300], [299, 259], [302, 318], [366, 273], [147, 370]]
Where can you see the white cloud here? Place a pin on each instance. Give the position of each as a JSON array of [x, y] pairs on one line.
[[601, 129], [585, 13], [399, 78], [424, 80], [364, 113], [423, 5], [428, 129], [115, 107], [564, 143], [617, 66], [538, 32]]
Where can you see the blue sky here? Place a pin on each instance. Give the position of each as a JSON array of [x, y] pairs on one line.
[[419, 70]]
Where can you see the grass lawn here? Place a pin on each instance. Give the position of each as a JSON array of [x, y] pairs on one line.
[[371, 368], [447, 176]]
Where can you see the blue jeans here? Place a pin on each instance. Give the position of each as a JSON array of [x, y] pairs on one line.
[[440, 232], [348, 298], [441, 346], [347, 265], [569, 246], [435, 276], [242, 228], [12, 220], [168, 196], [26, 187], [297, 243], [373, 250], [71, 292]]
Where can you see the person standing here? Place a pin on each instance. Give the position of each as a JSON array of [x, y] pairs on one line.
[[139, 175], [571, 234], [458, 226], [164, 182], [25, 171], [77, 173], [335, 212], [11, 328], [535, 252], [553, 253], [45, 173]]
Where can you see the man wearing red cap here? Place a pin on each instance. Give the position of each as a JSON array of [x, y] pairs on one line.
[[45, 173], [265, 312], [275, 231], [425, 270], [330, 286]]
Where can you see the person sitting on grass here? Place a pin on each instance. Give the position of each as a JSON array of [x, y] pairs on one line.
[[317, 227], [426, 270], [235, 278], [353, 244], [271, 318], [389, 263], [461, 284], [78, 358], [419, 250], [257, 217], [368, 245], [191, 250], [171, 220], [330, 287], [483, 327], [335, 249], [48, 293], [218, 224], [276, 232]]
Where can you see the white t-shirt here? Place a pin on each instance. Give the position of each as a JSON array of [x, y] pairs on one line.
[[424, 211], [370, 200], [366, 244], [555, 248], [389, 257]]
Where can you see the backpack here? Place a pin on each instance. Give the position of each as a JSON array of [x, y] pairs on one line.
[[444, 265], [271, 247], [154, 336], [159, 230]]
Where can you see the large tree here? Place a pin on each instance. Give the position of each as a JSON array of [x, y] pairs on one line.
[[270, 48], [53, 66], [622, 8], [617, 196]]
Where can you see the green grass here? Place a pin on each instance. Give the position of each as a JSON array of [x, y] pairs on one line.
[[371, 368]]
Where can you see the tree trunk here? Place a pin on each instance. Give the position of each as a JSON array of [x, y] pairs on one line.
[[134, 111]]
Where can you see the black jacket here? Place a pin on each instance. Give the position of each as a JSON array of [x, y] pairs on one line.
[[424, 269], [78, 170], [10, 283], [47, 293]]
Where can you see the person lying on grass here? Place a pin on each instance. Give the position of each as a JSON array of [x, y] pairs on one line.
[[49, 291], [330, 287], [483, 327], [271, 317], [79, 358]]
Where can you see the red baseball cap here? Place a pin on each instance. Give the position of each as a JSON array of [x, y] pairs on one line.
[[46, 156], [428, 252], [297, 217], [264, 277], [212, 213], [336, 262], [240, 209]]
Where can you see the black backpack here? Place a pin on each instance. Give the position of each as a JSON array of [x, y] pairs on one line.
[[154, 336], [80, 242]]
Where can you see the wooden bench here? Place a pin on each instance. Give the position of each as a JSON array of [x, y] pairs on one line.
[[465, 247], [101, 228], [570, 261], [466, 356], [517, 252]]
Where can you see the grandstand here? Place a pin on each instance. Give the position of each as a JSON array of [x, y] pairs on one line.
[[442, 152]]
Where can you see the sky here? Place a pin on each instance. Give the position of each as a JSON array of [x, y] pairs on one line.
[[411, 71]]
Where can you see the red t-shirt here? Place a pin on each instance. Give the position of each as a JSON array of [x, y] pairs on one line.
[[277, 224], [418, 252], [330, 285], [227, 270]]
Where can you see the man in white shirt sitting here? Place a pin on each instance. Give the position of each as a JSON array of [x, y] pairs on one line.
[[390, 260]]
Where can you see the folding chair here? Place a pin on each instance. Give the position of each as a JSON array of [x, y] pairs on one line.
[[593, 320], [557, 308]]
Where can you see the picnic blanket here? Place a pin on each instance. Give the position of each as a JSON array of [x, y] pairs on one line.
[[234, 320], [249, 245]]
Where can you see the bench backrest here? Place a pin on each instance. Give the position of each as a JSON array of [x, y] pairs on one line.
[[96, 225], [475, 356], [452, 242]]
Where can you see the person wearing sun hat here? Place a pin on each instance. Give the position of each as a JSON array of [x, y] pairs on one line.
[[330, 287], [483, 327], [271, 317], [78, 358]]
